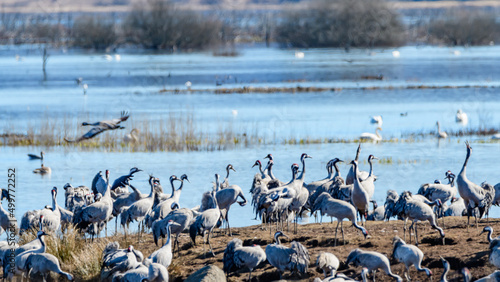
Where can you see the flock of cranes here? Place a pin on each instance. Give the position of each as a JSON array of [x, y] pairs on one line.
[[275, 202]]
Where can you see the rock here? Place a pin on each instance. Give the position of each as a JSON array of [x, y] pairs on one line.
[[209, 273]]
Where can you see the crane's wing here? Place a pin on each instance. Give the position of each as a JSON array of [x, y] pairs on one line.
[[301, 257], [124, 116], [90, 134]]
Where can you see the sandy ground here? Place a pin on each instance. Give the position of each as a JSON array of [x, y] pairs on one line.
[[462, 249]]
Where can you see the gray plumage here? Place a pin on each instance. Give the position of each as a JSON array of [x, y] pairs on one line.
[[182, 217], [124, 180], [21, 257], [98, 212], [164, 207], [117, 260], [359, 197], [350, 175], [6, 221], [377, 213], [75, 196], [43, 264], [372, 261], [154, 272], [236, 257], [296, 258], [100, 127], [474, 195], [36, 157], [494, 277], [225, 183], [163, 255], [446, 267], [415, 210], [409, 255], [125, 200], [328, 262], [338, 209], [390, 202], [206, 221], [227, 197], [456, 208]]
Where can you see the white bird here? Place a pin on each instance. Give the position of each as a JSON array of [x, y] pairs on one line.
[[377, 120], [461, 117], [473, 194], [299, 55], [236, 257], [44, 264], [163, 255], [441, 134], [496, 136], [328, 262], [372, 261], [396, 54], [372, 137], [188, 85], [296, 258], [409, 255], [118, 57], [131, 137]]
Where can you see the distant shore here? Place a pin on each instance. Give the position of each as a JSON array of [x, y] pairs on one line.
[[12, 6]]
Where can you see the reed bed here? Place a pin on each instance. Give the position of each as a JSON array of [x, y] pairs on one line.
[[179, 132]]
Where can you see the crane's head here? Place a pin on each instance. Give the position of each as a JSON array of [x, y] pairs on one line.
[[486, 229], [134, 170], [446, 264], [437, 181], [372, 157], [257, 163], [174, 206], [428, 272], [337, 160], [305, 156], [107, 173], [354, 163], [184, 177], [469, 148], [54, 191], [67, 185], [130, 248], [466, 274], [230, 167], [85, 123], [173, 177], [365, 233], [269, 156]]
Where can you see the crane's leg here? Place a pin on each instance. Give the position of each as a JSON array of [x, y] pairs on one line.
[[211, 250], [416, 234], [227, 221], [407, 273], [373, 275], [342, 229], [116, 224], [139, 232], [250, 276], [204, 247], [335, 241], [404, 230], [177, 243]]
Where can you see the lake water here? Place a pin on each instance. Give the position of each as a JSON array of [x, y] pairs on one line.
[[133, 84]]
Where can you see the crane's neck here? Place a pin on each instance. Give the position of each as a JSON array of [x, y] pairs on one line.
[[43, 246], [277, 239], [464, 168], [445, 273], [168, 235], [356, 173], [270, 171], [337, 171], [173, 187], [357, 153], [490, 238], [329, 170], [371, 166], [227, 175], [54, 202], [263, 175], [303, 160], [217, 183]]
